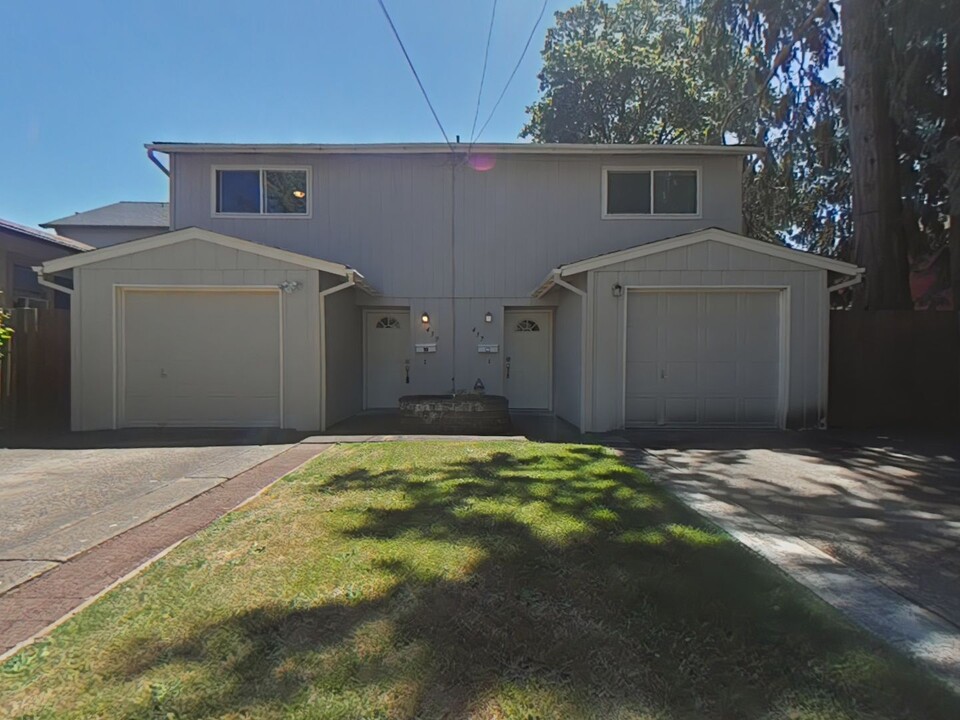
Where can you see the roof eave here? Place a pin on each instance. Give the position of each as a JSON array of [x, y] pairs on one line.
[[441, 148]]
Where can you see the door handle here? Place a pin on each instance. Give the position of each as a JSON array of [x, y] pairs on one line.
[[406, 368], [508, 367]]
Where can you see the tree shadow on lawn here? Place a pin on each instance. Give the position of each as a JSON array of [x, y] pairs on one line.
[[593, 595]]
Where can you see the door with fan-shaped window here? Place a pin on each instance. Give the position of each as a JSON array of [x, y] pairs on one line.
[[527, 359], [386, 357]]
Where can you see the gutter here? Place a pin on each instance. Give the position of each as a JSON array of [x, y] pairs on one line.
[[155, 161], [855, 280], [351, 281], [41, 280]]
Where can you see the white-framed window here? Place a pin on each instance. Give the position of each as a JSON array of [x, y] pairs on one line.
[[261, 191], [651, 192]]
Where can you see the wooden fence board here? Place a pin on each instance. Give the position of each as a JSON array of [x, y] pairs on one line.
[[894, 368], [35, 370]]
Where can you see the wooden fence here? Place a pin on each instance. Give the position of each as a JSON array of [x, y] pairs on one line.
[[894, 368], [35, 370]]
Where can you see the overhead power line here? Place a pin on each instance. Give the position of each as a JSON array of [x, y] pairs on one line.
[[483, 73], [533, 30], [416, 75]]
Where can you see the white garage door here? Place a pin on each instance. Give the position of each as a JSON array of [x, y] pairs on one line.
[[703, 358], [201, 358]]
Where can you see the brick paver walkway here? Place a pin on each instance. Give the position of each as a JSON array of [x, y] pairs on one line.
[[35, 606]]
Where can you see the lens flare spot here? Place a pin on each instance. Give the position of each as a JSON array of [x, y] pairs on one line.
[[482, 163]]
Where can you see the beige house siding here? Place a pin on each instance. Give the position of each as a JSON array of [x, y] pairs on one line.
[[394, 216], [711, 263], [567, 352], [344, 354], [95, 330]]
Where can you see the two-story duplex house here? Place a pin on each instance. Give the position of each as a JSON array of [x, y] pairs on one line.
[[301, 284]]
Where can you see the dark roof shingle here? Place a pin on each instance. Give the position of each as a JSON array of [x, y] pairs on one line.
[[35, 234], [124, 213]]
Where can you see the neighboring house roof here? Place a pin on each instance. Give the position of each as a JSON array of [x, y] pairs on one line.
[[193, 233], [475, 149], [34, 234], [126, 213], [714, 234]]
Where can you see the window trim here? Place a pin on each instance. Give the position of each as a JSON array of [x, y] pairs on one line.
[[607, 169], [214, 169]]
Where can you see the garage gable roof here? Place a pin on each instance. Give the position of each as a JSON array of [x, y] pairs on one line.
[[193, 233], [714, 234]]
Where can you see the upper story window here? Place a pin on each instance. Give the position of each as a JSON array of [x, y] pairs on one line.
[[654, 192], [262, 191]]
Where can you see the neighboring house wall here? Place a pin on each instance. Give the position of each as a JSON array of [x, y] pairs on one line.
[[711, 263], [106, 236], [17, 251], [95, 341]]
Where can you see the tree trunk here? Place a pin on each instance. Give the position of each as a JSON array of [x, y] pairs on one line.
[[878, 238], [952, 131]]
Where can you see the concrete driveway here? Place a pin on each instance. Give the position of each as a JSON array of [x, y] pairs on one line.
[[888, 505], [56, 502]]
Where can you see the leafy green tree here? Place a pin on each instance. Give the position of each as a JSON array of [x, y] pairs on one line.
[[6, 332], [673, 71], [771, 73]]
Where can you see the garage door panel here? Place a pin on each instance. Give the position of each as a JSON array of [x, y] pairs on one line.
[[716, 378], [641, 344], [759, 411], [679, 378], [720, 341], [758, 378], [643, 410], [201, 358], [642, 378], [703, 358], [680, 411], [720, 411]]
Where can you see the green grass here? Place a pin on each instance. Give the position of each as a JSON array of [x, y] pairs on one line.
[[456, 580]]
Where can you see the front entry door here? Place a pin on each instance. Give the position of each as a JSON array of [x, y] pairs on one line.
[[387, 356], [528, 355]]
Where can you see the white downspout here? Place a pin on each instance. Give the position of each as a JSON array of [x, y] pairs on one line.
[[558, 280], [41, 280], [351, 281]]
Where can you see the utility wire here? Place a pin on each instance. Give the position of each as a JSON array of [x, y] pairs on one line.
[[516, 67], [423, 90], [483, 73]]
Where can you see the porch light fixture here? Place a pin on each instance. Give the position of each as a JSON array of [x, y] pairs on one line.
[[488, 318], [425, 318], [617, 290], [289, 286]]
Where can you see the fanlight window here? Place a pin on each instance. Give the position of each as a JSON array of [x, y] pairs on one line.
[[387, 323], [527, 326]]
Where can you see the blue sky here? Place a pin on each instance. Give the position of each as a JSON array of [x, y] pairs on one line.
[[84, 83]]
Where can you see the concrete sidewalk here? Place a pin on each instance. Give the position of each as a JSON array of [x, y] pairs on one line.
[[870, 524], [55, 503], [39, 604]]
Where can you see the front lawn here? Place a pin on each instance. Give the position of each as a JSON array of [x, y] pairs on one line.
[[456, 580]]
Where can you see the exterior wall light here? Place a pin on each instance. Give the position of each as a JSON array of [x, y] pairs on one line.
[[425, 319], [488, 318], [289, 286], [617, 290]]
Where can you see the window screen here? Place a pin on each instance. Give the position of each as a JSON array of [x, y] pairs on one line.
[[628, 193], [675, 192], [238, 191]]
